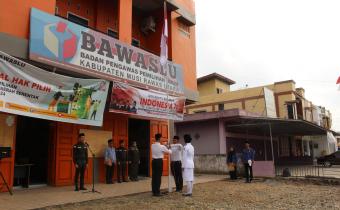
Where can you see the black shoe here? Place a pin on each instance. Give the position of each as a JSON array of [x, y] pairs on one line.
[[157, 195], [76, 189], [187, 194], [83, 188]]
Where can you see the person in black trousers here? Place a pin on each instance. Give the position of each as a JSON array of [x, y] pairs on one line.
[[157, 151], [134, 161], [110, 161], [80, 160], [248, 156], [122, 160], [176, 163]]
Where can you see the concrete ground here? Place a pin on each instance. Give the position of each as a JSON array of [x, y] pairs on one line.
[[48, 196]]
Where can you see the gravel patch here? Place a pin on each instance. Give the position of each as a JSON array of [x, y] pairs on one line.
[[268, 194]]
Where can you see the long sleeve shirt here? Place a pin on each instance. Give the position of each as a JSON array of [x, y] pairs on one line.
[[158, 150], [188, 156], [80, 155], [110, 154], [177, 150], [248, 154]]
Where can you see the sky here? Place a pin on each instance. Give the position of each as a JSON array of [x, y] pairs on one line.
[[259, 42]]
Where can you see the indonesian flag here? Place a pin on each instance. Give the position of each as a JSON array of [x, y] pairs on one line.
[[164, 38], [338, 83]]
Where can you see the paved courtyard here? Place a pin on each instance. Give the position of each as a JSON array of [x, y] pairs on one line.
[[269, 194], [47, 196]]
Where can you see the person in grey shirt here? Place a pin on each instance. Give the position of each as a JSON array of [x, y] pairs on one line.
[[110, 161]]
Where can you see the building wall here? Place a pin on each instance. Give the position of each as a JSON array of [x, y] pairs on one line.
[[250, 99], [208, 141], [209, 87]]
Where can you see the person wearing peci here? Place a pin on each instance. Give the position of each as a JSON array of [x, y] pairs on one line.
[[232, 163], [248, 155], [109, 161], [134, 161], [157, 151], [188, 164], [122, 158], [80, 160], [176, 163]]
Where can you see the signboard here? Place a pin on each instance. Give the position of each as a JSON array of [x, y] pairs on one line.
[[269, 102], [58, 42], [134, 101], [30, 91]]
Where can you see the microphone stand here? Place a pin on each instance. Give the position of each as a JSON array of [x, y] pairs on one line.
[[93, 156]]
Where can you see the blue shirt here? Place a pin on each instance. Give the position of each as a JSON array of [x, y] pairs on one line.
[[110, 153], [248, 154]]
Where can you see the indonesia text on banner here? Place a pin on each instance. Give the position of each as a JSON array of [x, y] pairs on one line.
[[30, 91], [131, 100]]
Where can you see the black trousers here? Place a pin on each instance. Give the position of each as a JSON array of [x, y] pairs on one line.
[[133, 170], [80, 171], [248, 172], [176, 170], [233, 174], [121, 171], [109, 173], [157, 170]]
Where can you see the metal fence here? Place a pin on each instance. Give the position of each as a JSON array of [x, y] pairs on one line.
[[300, 171]]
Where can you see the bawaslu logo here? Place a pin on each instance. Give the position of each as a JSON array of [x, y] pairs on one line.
[[60, 40]]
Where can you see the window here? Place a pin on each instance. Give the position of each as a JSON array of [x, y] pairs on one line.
[[135, 42], [290, 111], [112, 33], [219, 90], [284, 147], [220, 107], [77, 19], [184, 29]]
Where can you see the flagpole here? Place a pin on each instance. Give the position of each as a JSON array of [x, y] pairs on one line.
[[164, 60]]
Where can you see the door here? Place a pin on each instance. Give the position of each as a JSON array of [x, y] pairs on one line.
[[162, 128], [66, 137]]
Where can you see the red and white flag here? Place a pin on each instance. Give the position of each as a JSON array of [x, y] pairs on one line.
[[164, 38], [338, 83]]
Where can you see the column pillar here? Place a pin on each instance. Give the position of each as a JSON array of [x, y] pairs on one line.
[[125, 21], [222, 137]]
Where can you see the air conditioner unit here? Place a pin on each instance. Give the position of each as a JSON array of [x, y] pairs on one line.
[[148, 24]]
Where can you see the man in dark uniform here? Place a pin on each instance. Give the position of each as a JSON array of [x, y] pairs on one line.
[[122, 157], [134, 161], [80, 160]]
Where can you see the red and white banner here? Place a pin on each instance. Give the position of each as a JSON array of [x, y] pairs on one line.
[[130, 100]]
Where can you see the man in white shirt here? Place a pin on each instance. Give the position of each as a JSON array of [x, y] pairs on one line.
[[176, 163], [188, 164], [157, 151]]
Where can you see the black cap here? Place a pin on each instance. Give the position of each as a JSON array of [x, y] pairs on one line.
[[246, 142], [176, 137], [109, 141], [81, 134]]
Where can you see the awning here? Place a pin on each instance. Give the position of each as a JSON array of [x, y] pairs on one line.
[[241, 121], [282, 127]]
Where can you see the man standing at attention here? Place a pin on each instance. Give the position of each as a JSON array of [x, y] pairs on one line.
[[157, 151], [176, 163], [248, 155], [110, 161], [188, 164], [134, 161], [122, 158], [80, 160]]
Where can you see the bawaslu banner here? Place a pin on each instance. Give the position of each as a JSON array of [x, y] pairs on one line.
[[58, 42], [129, 100], [30, 91]]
